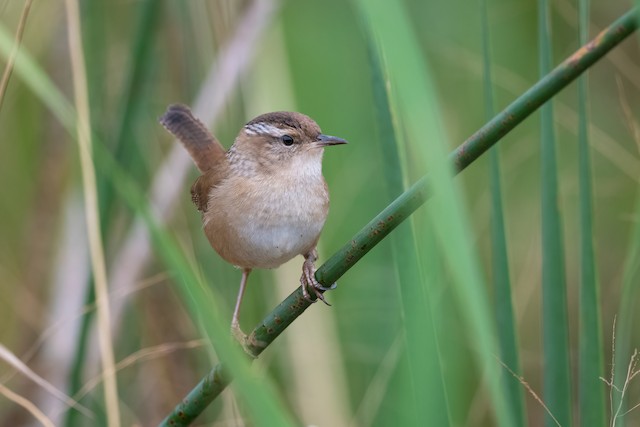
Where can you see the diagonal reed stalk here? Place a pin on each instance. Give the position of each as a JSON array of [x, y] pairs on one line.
[[387, 220]]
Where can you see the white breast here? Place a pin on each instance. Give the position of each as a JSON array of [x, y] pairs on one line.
[[269, 221]]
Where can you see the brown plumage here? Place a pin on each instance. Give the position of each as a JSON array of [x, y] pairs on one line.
[[204, 148], [263, 201]]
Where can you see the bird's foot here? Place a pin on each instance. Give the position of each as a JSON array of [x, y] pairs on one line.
[[237, 333], [241, 338], [310, 284]]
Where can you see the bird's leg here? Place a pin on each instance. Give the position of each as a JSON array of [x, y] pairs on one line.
[[235, 320], [308, 279]]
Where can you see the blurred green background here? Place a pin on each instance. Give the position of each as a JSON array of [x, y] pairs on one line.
[[334, 366]]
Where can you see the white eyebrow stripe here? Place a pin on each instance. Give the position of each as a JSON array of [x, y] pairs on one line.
[[263, 128]]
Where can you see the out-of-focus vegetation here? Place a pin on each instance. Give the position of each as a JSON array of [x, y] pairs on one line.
[[338, 366]]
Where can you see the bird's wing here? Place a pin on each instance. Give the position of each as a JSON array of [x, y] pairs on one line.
[[202, 186]]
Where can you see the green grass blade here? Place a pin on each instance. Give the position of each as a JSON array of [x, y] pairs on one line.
[[414, 101], [136, 100], [557, 383], [423, 394], [505, 320], [590, 388]]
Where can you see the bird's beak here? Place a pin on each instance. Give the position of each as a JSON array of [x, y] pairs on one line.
[[326, 140]]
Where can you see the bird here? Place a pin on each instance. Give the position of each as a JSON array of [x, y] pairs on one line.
[[264, 200]]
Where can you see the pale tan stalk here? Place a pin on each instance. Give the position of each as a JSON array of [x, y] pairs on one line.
[[93, 217], [12, 360]]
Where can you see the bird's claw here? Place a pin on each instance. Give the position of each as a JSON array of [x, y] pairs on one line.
[[309, 282]]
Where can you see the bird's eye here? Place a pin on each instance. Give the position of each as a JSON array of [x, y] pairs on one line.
[[287, 140]]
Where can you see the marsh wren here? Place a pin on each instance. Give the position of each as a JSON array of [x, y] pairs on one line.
[[263, 201]]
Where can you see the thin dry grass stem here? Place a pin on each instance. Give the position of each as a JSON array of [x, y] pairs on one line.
[[20, 366], [148, 353], [8, 69], [613, 364], [530, 390], [628, 115], [637, 405], [96, 250], [61, 323], [632, 372], [26, 404]]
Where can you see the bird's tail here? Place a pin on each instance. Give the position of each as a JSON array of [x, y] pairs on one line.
[[204, 148]]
